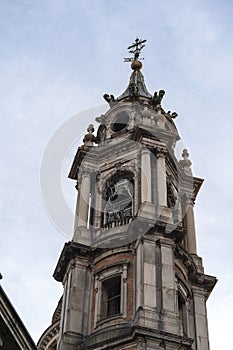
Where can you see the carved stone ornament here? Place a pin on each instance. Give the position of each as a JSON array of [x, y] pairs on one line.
[[89, 138], [110, 99], [161, 152], [186, 163], [157, 98]]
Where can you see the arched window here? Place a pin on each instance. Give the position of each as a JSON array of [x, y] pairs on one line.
[[182, 314], [183, 302], [118, 200], [171, 192]]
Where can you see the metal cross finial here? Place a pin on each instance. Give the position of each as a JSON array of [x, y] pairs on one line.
[[135, 49]]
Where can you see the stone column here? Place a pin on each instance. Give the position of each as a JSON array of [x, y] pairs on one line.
[[202, 338], [84, 197], [190, 222], [146, 175], [161, 178]]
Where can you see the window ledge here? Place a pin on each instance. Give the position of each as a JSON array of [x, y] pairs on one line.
[[110, 318]]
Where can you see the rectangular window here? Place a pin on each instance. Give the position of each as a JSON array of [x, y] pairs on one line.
[[111, 297]]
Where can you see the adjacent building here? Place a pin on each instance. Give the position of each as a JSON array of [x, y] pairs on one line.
[[13, 333]]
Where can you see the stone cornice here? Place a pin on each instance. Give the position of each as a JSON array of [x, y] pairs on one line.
[[165, 336], [81, 153], [204, 282], [159, 135], [94, 155], [70, 251], [122, 334]]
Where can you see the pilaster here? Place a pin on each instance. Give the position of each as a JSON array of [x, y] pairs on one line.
[[76, 301], [146, 176], [190, 222], [200, 316], [161, 177], [81, 229]]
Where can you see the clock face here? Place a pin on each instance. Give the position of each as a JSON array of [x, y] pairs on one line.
[[119, 199], [120, 122]]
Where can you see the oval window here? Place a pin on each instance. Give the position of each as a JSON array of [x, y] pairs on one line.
[[121, 121]]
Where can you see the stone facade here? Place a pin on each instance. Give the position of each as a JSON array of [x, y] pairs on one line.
[[131, 275]]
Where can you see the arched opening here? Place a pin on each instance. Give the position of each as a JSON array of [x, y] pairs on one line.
[[120, 122], [118, 200], [182, 314]]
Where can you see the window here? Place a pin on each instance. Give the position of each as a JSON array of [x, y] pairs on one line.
[[118, 200], [121, 121], [182, 314], [183, 301], [111, 297], [171, 193], [111, 292]]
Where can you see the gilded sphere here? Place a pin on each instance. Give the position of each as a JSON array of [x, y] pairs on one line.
[[136, 65]]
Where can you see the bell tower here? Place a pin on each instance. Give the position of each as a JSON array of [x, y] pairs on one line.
[[131, 274]]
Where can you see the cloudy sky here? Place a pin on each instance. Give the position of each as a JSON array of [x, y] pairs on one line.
[[57, 59]]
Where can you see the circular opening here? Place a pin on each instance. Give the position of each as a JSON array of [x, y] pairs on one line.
[[121, 121]]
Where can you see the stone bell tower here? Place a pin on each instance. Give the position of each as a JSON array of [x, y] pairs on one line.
[[131, 274]]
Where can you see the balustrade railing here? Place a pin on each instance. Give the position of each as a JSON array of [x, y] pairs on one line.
[[118, 222]]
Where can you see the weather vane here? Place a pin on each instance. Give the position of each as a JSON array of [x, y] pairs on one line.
[[135, 49]]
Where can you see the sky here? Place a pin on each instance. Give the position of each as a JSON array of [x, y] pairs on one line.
[[57, 60]]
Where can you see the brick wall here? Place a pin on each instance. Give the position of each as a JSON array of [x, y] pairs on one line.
[[108, 261]]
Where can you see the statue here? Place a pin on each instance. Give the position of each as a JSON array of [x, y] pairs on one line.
[[90, 138], [110, 99], [157, 98]]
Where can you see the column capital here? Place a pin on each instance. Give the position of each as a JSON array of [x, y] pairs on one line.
[[145, 150], [190, 200], [86, 173], [187, 197], [160, 152]]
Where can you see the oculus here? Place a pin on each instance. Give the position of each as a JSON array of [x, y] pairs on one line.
[[120, 122]]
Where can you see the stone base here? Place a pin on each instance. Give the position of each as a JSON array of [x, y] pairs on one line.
[[82, 235], [70, 341], [165, 214], [147, 211]]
